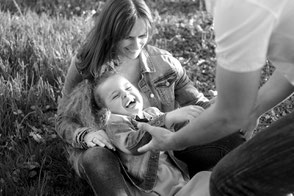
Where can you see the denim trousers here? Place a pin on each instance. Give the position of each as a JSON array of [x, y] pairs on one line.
[[261, 166], [205, 157], [101, 168]]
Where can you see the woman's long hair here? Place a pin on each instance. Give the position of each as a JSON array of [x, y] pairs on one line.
[[113, 24]]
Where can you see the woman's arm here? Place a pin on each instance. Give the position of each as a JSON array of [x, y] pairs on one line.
[[76, 119], [73, 77], [66, 126], [67, 129], [185, 92]]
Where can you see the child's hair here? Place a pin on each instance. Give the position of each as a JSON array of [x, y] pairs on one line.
[[80, 107], [97, 82]]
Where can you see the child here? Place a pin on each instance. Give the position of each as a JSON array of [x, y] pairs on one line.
[[153, 173]]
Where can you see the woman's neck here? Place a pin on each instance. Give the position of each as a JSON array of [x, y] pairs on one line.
[[130, 69], [126, 62]]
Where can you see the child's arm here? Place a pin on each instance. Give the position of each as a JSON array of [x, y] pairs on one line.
[[126, 137]]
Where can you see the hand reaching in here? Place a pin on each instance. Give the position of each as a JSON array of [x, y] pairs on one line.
[[161, 138], [183, 114]]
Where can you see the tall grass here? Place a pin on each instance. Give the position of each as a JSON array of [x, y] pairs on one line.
[[35, 52]]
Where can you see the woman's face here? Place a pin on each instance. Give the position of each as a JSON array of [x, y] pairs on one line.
[[131, 46]]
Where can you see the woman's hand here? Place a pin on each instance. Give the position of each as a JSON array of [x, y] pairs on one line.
[[183, 114], [98, 138]]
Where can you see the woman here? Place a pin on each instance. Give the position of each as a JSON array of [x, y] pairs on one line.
[[121, 34], [247, 32], [114, 98]]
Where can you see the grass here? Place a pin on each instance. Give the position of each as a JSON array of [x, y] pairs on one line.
[[34, 56], [35, 53]]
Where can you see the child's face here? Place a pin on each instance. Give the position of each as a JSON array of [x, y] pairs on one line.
[[120, 96]]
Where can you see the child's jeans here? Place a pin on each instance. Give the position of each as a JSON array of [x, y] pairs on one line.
[[262, 166], [100, 166]]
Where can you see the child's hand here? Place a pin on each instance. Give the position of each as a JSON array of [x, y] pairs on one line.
[[98, 138], [183, 114]]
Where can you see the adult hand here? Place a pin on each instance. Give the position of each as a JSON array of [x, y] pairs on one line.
[[161, 138], [183, 114], [213, 95], [98, 138]]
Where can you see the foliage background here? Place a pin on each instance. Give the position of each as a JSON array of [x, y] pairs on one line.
[[37, 40]]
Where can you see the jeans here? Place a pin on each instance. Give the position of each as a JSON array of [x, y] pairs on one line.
[[205, 157], [100, 166], [262, 166]]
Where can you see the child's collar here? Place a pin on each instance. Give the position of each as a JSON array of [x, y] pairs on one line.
[[145, 117]]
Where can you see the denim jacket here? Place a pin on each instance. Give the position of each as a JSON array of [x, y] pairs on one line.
[[163, 80], [140, 168]]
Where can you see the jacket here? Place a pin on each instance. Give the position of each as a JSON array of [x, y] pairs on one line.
[[140, 168]]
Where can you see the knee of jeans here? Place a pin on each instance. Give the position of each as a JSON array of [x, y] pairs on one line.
[[215, 177], [99, 159], [220, 172], [217, 181]]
